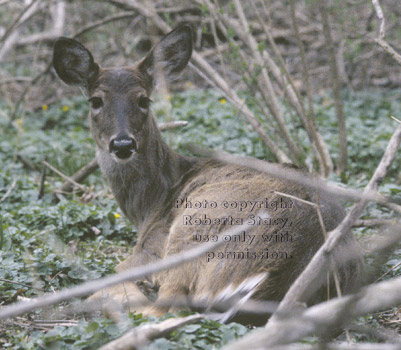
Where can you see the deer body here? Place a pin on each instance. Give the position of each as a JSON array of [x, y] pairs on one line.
[[176, 202]]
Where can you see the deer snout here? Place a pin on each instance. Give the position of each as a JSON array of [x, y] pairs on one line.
[[122, 147]]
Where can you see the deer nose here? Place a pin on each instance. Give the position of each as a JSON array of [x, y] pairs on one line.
[[122, 146]]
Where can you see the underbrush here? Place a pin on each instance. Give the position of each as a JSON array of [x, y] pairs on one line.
[[48, 244]]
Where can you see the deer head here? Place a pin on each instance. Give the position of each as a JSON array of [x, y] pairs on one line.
[[120, 120]]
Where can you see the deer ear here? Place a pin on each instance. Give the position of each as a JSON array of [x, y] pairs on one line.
[[73, 63], [171, 55]]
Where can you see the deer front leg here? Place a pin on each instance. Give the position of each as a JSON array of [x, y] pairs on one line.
[[134, 296], [173, 293]]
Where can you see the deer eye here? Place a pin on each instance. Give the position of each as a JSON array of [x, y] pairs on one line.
[[96, 102], [144, 102]]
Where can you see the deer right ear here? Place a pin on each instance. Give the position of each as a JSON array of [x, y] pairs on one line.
[[73, 63], [170, 55]]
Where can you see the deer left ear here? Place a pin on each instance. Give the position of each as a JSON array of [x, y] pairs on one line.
[[74, 63], [171, 55]]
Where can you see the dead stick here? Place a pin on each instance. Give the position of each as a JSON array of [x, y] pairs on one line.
[[80, 175], [42, 180], [58, 172]]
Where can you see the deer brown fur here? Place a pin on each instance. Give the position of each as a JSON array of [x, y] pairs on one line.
[[154, 187]]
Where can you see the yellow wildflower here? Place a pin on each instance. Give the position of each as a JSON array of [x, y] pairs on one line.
[[19, 122], [117, 215], [65, 108], [223, 101], [45, 107]]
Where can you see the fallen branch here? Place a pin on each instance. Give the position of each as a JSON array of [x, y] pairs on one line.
[[58, 172], [140, 336], [217, 308], [79, 176]]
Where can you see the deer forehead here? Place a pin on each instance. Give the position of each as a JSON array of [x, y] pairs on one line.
[[122, 81]]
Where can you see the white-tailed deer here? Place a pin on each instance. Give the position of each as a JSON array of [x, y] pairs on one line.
[[176, 202]]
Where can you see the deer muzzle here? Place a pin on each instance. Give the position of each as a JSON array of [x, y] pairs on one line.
[[123, 147]]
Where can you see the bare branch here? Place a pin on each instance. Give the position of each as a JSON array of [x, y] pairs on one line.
[[382, 32], [389, 49], [320, 318], [299, 288], [372, 222], [295, 176], [129, 275], [379, 14], [342, 129], [321, 147], [12, 33], [24, 15], [106, 20]]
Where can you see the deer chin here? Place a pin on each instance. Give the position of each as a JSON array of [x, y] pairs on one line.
[[123, 160]]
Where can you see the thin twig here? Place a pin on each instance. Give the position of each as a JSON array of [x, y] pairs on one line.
[[387, 272], [15, 79], [90, 26], [323, 152], [17, 21], [338, 104], [20, 284], [9, 190]]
